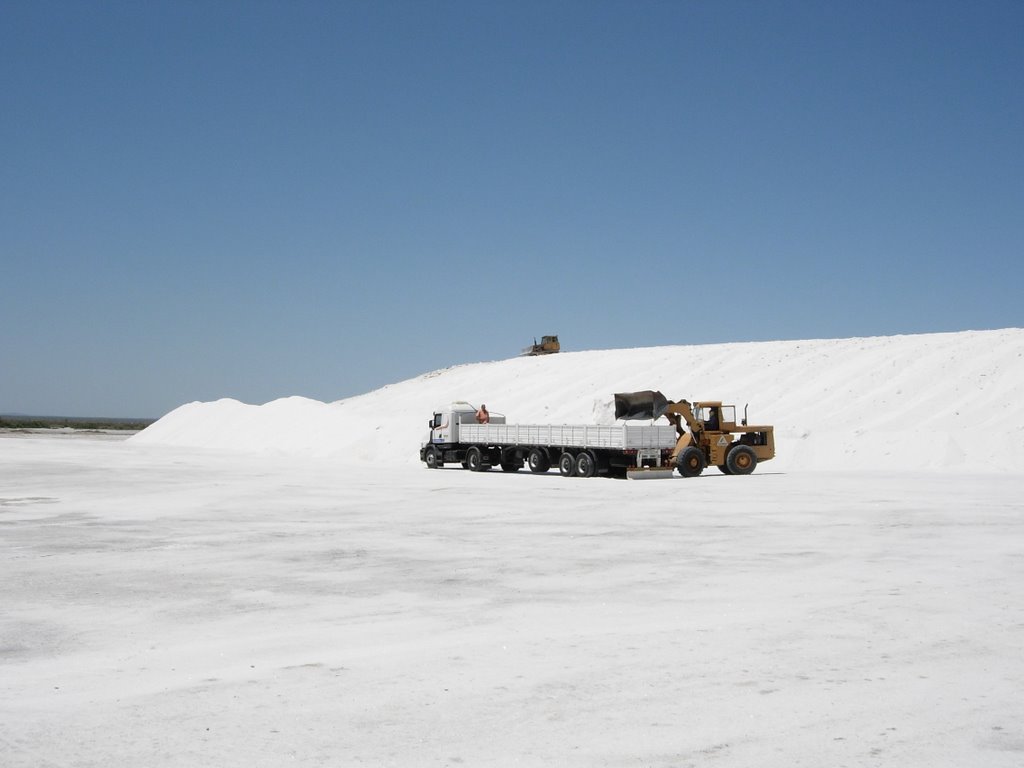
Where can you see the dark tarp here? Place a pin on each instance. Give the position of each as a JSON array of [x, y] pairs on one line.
[[640, 405]]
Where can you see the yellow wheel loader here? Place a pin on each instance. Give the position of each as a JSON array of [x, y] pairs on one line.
[[708, 433]]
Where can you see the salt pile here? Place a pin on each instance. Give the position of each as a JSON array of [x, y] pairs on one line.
[[930, 402]]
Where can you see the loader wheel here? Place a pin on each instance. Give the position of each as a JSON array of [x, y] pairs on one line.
[[586, 464], [538, 460], [432, 458], [690, 462], [567, 465], [475, 460], [741, 460]]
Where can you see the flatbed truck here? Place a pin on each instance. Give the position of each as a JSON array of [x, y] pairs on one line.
[[582, 450]]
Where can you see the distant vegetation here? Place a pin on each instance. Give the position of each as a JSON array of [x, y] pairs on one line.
[[71, 422]]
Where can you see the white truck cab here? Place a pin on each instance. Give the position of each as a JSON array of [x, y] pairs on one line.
[[444, 426]]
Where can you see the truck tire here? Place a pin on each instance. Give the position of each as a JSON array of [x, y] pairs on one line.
[[567, 465], [432, 457], [741, 460], [690, 462], [586, 464], [475, 460], [538, 460], [510, 460]]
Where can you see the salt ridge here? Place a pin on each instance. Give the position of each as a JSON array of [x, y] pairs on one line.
[[928, 402]]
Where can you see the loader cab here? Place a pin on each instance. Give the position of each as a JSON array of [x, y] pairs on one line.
[[717, 417]]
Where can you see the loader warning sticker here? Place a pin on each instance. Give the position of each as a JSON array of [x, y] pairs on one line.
[[722, 441]]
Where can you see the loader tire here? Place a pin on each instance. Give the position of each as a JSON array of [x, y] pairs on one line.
[[538, 460], [586, 464], [432, 457], [690, 462], [475, 460], [567, 465], [741, 460]]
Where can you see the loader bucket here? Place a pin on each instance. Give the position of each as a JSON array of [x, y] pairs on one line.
[[640, 405]]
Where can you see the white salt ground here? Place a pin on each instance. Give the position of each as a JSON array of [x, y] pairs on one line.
[[253, 586]]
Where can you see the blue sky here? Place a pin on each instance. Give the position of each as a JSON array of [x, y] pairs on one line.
[[261, 199]]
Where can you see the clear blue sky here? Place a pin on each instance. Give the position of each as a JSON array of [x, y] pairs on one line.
[[259, 199]]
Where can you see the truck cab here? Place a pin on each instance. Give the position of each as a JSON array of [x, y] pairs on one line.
[[444, 424]]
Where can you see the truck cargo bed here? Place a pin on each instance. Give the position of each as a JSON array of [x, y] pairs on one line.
[[617, 436]]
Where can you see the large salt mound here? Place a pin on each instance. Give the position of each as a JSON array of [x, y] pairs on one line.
[[950, 402]]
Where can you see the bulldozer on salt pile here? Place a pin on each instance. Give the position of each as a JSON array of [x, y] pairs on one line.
[[548, 346]]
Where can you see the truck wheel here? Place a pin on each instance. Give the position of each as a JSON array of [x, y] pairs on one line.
[[510, 461], [690, 462], [741, 460], [586, 464], [538, 460], [433, 458], [567, 465], [475, 460]]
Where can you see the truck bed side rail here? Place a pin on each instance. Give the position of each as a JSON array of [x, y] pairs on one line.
[[617, 436]]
